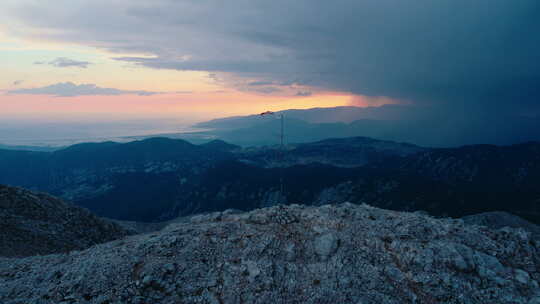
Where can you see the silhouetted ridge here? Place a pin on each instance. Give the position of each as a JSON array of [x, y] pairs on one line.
[[220, 145]]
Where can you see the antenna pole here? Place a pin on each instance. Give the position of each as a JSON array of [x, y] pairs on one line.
[[282, 134], [281, 149]]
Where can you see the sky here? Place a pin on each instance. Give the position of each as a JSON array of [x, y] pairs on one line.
[[75, 60], [192, 60]]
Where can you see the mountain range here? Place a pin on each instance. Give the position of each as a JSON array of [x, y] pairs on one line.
[[159, 179], [343, 114], [420, 125]]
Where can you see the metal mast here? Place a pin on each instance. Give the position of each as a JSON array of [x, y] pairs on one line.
[[281, 152], [281, 148], [282, 132]]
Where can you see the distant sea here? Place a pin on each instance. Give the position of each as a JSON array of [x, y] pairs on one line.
[[66, 134]]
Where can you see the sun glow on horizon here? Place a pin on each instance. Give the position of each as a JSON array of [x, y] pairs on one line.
[[198, 105]]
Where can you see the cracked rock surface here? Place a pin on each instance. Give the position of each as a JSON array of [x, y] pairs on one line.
[[290, 254]]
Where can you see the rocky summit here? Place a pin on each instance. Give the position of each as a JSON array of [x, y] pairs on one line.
[[290, 254], [35, 223]]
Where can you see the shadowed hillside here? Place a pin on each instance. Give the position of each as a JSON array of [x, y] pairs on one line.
[[35, 223]]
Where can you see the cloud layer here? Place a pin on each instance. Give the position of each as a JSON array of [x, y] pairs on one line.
[[69, 89], [459, 55], [62, 62]]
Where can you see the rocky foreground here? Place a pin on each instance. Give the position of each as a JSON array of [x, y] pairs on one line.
[[34, 223], [294, 254]]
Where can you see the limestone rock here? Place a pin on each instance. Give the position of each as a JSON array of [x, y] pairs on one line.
[[290, 254]]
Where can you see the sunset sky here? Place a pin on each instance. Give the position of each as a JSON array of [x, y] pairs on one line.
[[193, 60], [134, 90], [46, 75]]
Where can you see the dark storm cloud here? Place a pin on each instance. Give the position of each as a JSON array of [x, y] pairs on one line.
[[456, 53], [467, 53], [69, 89]]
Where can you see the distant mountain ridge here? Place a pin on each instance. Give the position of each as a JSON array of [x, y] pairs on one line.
[[160, 179], [29, 148], [341, 114], [421, 125], [260, 131], [85, 171]]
